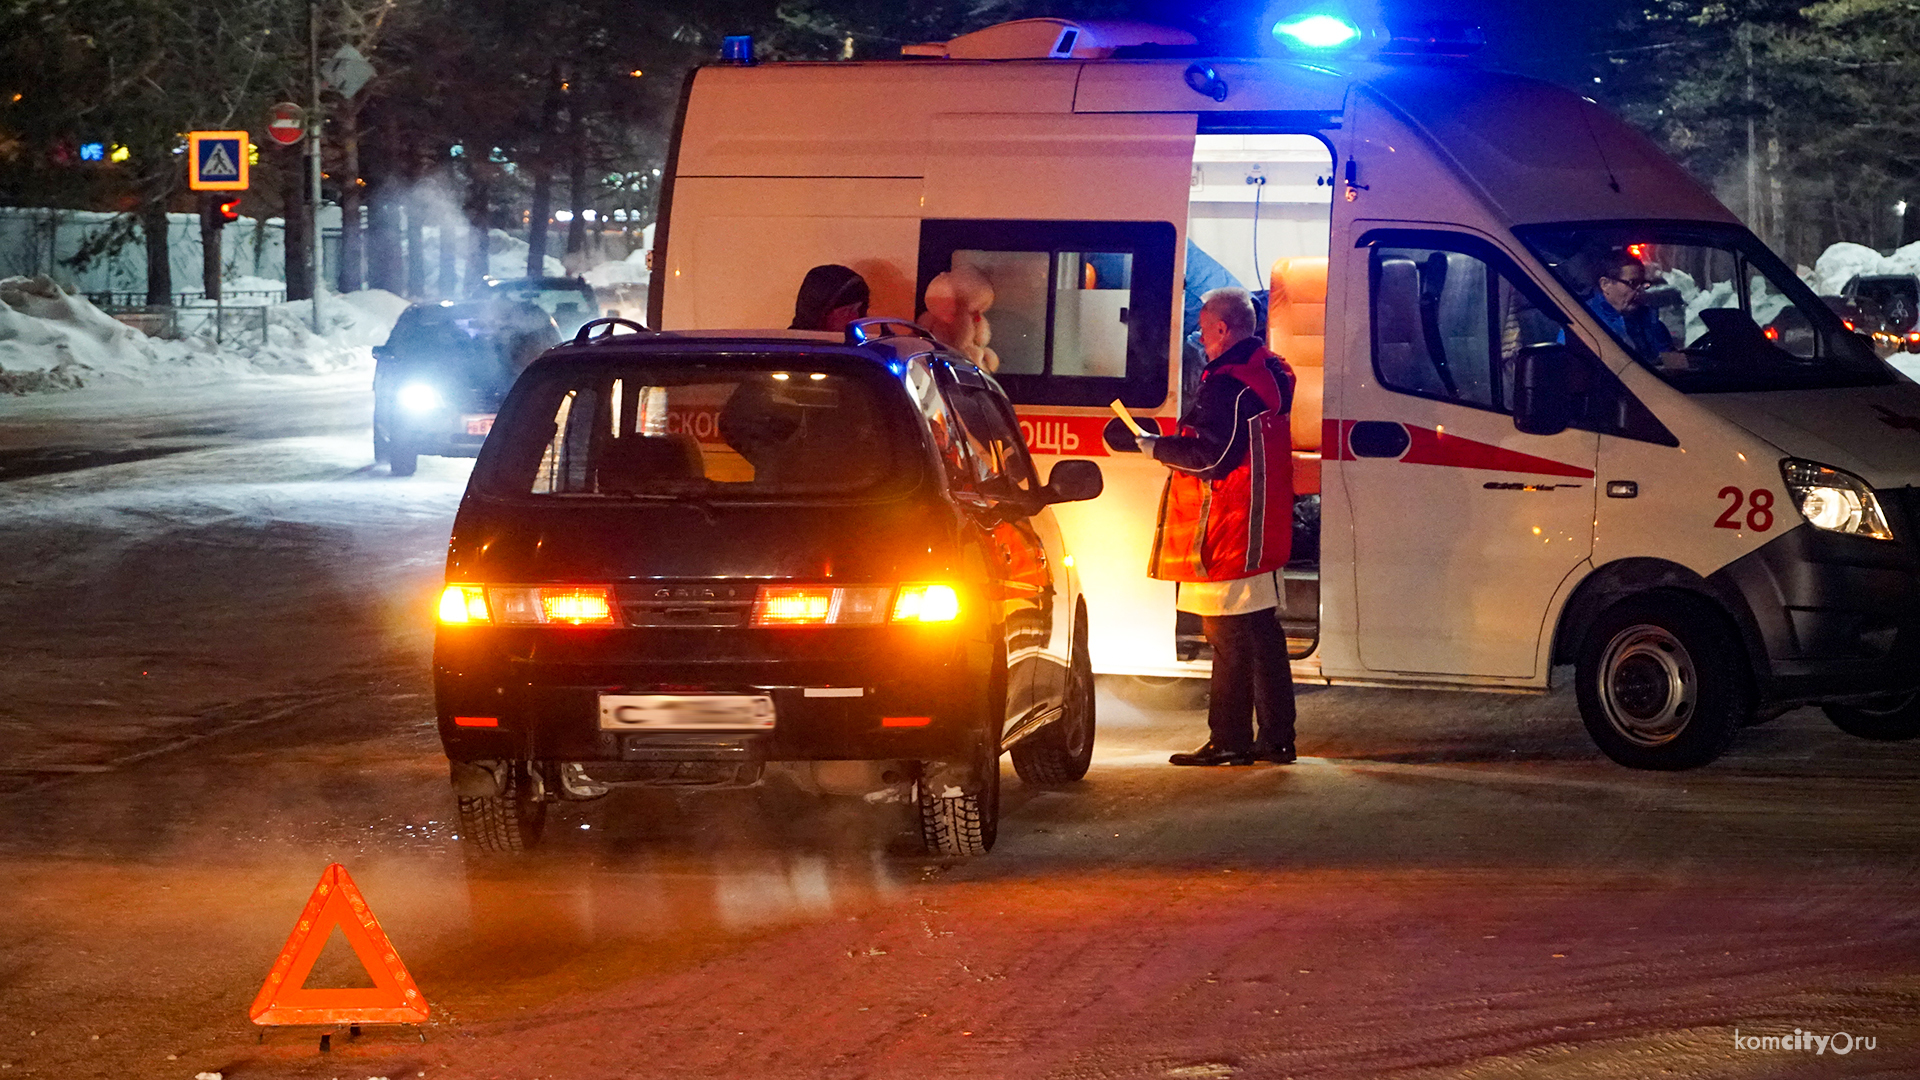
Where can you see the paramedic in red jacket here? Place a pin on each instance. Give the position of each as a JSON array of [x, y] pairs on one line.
[[1226, 528]]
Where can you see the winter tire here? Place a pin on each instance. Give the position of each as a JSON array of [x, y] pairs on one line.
[[402, 462], [1061, 752], [1662, 682], [962, 819], [510, 822], [1893, 720]]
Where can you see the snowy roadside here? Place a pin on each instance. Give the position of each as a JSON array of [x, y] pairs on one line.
[[51, 340]]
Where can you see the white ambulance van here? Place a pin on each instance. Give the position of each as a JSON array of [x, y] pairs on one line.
[[1704, 506]]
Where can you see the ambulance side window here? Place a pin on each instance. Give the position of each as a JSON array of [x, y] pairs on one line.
[[1448, 325], [1073, 312], [1450, 317]]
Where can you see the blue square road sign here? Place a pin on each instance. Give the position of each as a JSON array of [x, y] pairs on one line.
[[217, 160]]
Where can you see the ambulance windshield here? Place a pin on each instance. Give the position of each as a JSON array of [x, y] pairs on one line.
[[1706, 307]]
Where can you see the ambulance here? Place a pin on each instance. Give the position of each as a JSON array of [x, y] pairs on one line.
[[1703, 520]]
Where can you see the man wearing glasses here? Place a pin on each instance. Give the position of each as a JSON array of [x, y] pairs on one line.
[[1616, 302]]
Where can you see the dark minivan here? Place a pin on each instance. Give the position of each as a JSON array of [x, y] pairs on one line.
[[682, 557]]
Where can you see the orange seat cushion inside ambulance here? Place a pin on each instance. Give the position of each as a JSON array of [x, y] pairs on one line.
[[1296, 329]]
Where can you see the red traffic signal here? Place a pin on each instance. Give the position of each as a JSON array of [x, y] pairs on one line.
[[228, 211]]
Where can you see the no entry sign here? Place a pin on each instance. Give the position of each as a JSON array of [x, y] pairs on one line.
[[287, 123]]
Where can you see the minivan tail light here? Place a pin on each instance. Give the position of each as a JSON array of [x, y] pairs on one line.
[[820, 605], [564, 605], [464, 605], [926, 604], [579, 607]]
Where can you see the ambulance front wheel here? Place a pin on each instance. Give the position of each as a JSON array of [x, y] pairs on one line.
[[1661, 682], [1895, 720]]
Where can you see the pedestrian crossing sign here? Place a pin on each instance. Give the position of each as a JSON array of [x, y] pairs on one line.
[[217, 160]]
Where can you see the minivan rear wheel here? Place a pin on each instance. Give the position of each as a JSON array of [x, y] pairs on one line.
[[960, 807], [1661, 682], [1061, 752], [511, 821]]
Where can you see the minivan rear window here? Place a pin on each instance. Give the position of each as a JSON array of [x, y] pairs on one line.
[[769, 427]]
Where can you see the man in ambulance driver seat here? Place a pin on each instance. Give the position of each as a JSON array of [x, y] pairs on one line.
[[1226, 529], [1617, 302]]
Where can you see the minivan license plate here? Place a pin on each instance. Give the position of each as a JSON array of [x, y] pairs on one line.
[[685, 712]]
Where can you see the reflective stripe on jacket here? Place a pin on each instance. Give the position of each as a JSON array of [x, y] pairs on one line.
[[1227, 509]]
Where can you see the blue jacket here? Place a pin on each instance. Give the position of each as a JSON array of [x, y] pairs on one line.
[[1640, 329]]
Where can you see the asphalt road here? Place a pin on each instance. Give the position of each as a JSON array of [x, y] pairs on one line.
[[215, 685]]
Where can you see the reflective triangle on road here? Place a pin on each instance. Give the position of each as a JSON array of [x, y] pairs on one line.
[[393, 998]]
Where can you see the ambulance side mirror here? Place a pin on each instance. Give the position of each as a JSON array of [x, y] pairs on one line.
[[1543, 390], [1073, 480]]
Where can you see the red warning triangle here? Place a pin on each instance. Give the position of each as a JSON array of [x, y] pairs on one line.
[[393, 998]]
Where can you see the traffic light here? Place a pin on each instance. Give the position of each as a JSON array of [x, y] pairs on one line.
[[229, 211]]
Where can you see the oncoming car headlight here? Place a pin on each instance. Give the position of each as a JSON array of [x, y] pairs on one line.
[[418, 397], [1833, 500]]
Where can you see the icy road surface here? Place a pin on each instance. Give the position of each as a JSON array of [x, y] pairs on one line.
[[216, 683]]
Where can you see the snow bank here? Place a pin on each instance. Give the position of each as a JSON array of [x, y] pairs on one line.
[[52, 340], [507, 257], [1839, 263]]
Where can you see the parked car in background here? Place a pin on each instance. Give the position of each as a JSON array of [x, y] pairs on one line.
[[570, 300], [1896, 300], [441, 374]]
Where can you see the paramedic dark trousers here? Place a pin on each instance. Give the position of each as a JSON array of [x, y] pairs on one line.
[[1251, 676]]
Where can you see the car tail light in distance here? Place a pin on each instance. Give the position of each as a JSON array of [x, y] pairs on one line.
[[528, 605], [460, 604], [820, 605], [926, 604]]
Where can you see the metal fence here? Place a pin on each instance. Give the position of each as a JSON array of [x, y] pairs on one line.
[[238, 297], [237, 325]]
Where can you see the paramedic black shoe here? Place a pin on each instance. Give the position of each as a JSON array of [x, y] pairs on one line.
[[1214, 755], [1283, 755]]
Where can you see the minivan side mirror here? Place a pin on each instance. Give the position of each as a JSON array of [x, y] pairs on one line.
[[1073, 480], [1543, 390]]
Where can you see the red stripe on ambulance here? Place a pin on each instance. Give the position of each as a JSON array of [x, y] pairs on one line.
[[1072, 436], [1427, 446]]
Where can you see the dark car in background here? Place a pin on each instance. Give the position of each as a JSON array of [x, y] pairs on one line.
[[570, 300], [443, 371], [683, 559], [1889, 307]]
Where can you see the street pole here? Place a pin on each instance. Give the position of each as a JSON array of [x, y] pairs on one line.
[[313, 146]]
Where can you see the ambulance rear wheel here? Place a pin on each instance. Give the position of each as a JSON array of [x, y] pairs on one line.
[[1894, 720], [1661, 682]]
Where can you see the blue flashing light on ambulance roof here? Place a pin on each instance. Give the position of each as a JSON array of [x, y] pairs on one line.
[[1316, 32]]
